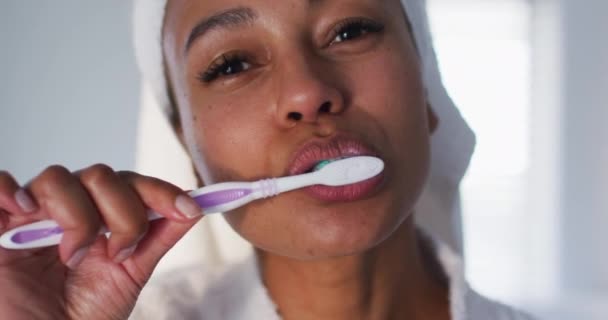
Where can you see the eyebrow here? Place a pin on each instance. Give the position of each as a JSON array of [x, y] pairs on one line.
[[230, 18]]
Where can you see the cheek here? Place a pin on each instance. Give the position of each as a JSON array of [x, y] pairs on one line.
[[393, 79], [389, 89], [220, 143]]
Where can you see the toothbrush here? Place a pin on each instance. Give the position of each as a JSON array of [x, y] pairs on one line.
[[221, 197]]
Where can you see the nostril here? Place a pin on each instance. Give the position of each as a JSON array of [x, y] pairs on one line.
[[325, 108], [296, 116]]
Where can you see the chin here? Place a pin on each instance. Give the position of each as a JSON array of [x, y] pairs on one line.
[[297, 228]]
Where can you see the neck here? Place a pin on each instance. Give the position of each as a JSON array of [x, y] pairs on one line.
[[394, 280]]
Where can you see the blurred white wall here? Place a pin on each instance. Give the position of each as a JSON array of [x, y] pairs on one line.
[[488, 74], [584, 153], [69, 91]]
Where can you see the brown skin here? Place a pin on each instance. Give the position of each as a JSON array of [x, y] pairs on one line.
[[38, 284], [352, 260], [320, 260], [373, 84]]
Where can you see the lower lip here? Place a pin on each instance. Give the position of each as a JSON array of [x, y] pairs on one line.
[[351, 192]]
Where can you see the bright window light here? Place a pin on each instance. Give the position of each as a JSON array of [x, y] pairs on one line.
[[484, 50]]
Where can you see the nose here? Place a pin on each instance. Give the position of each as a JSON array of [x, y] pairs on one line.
[[307, 93]]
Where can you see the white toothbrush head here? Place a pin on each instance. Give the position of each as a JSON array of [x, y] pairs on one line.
[[349, 170]]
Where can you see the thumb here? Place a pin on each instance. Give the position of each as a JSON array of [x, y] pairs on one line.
[[181, 213], [161, 237]]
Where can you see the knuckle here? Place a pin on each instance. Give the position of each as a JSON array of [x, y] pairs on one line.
[[162, 185], [125, 173], [134, 178], [5, 177], [54, 176], [148, 184], [129, 175], [55, 171], [97, 174]]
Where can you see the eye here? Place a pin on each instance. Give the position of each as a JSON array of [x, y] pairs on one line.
[[226, 65], [355, 28]]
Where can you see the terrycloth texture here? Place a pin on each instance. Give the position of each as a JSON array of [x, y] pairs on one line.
[[237, 293], [452, 145]]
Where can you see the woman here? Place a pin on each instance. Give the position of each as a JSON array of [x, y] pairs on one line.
[[260, 89]]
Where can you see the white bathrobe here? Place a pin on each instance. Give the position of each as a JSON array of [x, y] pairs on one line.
[[237, 293]]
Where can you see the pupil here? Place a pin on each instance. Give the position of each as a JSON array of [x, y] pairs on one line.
[[351, 33], [233, 67]]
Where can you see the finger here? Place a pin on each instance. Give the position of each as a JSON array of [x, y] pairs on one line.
[[162, 236], [3, 220], [120, 207], [65, 200], [182, 213], [163, 197], [13, 198]]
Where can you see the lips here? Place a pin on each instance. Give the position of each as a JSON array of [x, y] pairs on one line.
[[315, 151]]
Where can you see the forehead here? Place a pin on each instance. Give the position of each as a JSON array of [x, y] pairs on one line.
[[209, 6], [184, 14]]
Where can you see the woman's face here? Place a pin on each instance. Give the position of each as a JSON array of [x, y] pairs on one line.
[[268, 88]]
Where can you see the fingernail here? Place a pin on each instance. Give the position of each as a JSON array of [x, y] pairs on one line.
[[188, 207], [124, 254], [77, 258], [24, 201]]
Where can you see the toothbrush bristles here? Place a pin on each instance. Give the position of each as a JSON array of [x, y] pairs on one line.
[[322, 164]]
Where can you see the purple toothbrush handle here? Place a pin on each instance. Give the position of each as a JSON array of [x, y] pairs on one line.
[[213, 199], [33, 235], [48, 228]]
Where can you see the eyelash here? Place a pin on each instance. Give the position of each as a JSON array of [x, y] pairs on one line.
[[364, 25], [220, 67]]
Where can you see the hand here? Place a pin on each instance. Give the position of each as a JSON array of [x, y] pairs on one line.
[[87, 276]]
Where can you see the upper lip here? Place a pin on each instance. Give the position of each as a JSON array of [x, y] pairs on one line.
[[314, 151]]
